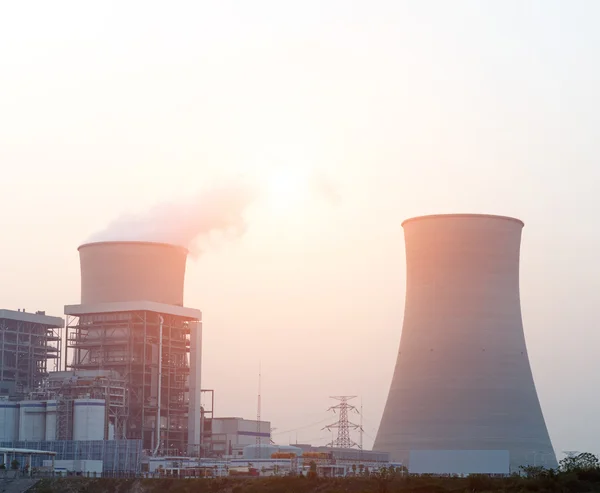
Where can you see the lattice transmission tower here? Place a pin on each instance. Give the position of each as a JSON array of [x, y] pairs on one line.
[[343, 425]]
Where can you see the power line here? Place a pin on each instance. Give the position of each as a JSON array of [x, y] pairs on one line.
[[301, 427]]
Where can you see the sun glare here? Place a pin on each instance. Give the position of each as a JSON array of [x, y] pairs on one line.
[[288, 189]]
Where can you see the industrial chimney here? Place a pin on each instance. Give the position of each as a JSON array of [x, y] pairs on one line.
[[462, 380]]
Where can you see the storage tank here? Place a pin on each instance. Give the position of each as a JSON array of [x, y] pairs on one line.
[[116, 271], [51, 420], [462, 379], [9, 421], [32, 421], [89, 419]]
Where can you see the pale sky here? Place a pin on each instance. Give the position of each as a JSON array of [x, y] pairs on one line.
[[408, 107]]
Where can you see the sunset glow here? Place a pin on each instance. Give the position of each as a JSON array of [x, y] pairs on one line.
[[287, 190], [283, 144]]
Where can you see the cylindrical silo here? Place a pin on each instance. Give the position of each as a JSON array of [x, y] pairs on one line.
[[132, 271], [89, 419], [32, 421], [9, 420], [462, 379], [51, 407]]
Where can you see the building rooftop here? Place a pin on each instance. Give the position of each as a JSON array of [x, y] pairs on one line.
[[133, 306], [36, 318], [472, 216]]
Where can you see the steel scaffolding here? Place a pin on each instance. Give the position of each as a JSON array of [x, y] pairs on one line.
[[128, 344], [65, 387], [29, 347]]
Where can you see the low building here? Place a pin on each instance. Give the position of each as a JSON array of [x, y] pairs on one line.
[[348, 455], [227, 437], [118, 457], [76, 467], [268, 451]]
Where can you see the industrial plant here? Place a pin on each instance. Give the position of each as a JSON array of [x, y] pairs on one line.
[[462, 396], [115, 387]]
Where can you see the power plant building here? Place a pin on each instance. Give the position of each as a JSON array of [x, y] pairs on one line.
[[462, 380], [132, 324], [29, 348], [229, 436]]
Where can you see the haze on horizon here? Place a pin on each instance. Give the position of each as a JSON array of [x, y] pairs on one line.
[[407, 107]]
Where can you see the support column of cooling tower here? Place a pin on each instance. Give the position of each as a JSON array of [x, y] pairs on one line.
[[160, 347], [195, 402]]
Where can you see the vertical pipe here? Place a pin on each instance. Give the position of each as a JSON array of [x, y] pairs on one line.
[[195, 389], [144, 375], [63, 345], [160, 345], [4, 358]]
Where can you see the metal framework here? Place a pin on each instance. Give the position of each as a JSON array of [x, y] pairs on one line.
[[128, 344], [65, 387], [343, 425], [207, 448], [29, 348]]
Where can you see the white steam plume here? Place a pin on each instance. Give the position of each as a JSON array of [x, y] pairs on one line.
[[219, 209]]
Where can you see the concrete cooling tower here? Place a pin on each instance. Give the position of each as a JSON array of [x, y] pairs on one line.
[[462, 380], [132, 323], [132, 271]]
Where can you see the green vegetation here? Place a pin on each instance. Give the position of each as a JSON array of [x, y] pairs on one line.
[[577, 474]]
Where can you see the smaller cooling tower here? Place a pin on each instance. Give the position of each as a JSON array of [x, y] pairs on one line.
[[119, 271]]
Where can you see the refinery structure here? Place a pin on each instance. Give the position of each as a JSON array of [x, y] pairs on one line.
[[117, 382]]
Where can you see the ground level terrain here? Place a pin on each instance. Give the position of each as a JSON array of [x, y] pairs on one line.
[[572, 482]]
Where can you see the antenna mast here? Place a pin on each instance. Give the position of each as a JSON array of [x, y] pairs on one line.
[[361, 426], [258, 438]]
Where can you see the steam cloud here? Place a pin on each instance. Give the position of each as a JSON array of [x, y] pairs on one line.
[[219, 209]]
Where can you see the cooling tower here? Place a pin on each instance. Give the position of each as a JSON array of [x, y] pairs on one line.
[[462, 379], [132, 271], [132, 323]]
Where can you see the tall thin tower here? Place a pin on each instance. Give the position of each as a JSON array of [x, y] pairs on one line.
[[258, 438], [462, 379], [343, 425]]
